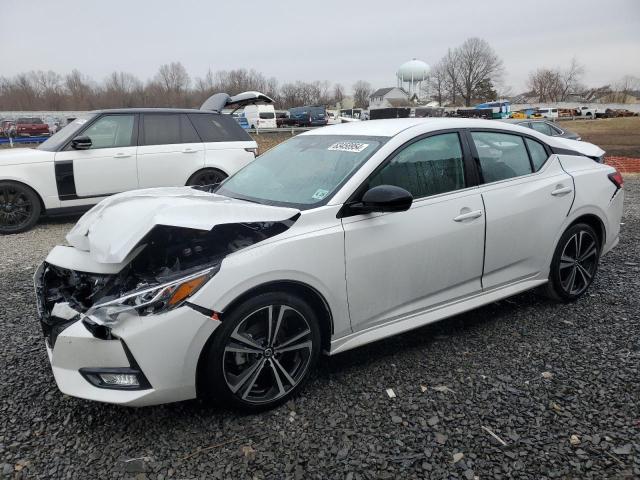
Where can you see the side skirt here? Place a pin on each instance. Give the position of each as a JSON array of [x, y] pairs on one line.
[[396, 327], [62, 211]]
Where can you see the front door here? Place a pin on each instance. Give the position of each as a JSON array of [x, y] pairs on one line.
[[527, 196], [107, 167], [399, 264]]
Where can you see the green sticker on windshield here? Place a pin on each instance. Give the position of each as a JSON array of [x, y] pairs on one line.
[[320, 194]]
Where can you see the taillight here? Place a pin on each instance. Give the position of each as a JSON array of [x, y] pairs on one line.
[[616, 178]]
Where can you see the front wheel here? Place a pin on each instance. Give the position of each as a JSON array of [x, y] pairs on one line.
[[574, 263], [19, 207], [208, 176], [262, 352]]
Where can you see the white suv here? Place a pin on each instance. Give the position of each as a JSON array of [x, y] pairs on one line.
[[112, 151]]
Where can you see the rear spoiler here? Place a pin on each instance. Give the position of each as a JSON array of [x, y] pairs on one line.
[[218, 101]]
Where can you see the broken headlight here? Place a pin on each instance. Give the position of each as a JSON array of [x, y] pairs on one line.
[[152, 300]]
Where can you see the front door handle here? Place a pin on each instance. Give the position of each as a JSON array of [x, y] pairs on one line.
[[560, 190], [122, 155], [468, 215], [189, 150]]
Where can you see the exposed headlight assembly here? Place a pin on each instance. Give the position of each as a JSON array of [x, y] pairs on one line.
[[152, 300]]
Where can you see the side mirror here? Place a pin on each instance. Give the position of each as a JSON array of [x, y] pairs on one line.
[[385, 198], [81, 143]]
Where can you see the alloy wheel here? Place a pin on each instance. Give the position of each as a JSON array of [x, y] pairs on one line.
[[210, 177], [578, 262], [267, 354], [16, 208]]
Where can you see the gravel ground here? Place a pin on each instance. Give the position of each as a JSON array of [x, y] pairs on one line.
[[558, 384]]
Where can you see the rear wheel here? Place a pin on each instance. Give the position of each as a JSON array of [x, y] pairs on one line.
[[574, 264], [209, 176], [19, 207], [262, 352]]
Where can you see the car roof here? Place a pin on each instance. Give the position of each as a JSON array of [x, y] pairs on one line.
[[521, 120], [393, 127], [154, 110]]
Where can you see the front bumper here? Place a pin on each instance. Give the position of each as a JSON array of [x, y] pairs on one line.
[[165, 348]]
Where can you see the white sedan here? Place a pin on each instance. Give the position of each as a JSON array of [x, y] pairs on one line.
[[336, 238]]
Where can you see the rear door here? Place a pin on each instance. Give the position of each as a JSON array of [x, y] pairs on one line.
[[527, 196], [170, 150], [107, 167]]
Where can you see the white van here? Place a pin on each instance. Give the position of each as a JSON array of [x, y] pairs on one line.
[[545, 112], [260, 116]]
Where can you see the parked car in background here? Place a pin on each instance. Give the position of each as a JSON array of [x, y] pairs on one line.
[[336, 238], [551, 113], [309, 116], [31, 127], [586, 112], [112, 151], [543, 126], [241, 119], [260, 116], [283, 119]]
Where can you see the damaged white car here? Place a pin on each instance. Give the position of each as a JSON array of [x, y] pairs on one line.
[[338, 237]]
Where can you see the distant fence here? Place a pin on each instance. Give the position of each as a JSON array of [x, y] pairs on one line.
[[9, 141]]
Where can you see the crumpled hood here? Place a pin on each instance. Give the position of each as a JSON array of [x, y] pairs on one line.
[[15, 156], [111, 229]]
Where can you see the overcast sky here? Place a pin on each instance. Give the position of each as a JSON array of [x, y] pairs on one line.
[[340, 41]]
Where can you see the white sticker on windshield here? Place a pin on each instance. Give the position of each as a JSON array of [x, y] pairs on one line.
[[320, 194], [355, 147]]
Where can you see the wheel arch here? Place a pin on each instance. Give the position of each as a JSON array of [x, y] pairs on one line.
[[595, 222], [203, 169], [316, 300]]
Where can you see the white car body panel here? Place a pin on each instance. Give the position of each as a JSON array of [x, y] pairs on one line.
[[111, 229], [228, 157], [165, 165], [379, 274]]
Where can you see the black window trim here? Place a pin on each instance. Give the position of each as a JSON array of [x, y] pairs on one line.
[[476, 157], [470, 172], [66, 147]]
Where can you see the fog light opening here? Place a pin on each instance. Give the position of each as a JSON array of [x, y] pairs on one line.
[[120, 379], [116, 378]]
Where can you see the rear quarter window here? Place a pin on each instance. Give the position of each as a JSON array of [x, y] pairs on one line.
[[214, 127]]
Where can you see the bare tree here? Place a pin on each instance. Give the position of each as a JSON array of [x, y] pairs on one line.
[[361, 93], [120, 89], [451, 65], [554, 84], [79, 90], [571, 78], [338, 93], [477, 65], [437, 80], [623, 90]]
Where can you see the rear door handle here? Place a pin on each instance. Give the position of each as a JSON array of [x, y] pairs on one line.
[[189, 150], [122, 155], [468, 216], [560, 190]]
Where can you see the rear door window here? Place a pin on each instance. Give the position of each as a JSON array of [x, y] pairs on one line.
[[167, 129], [537, 152], [501, 155], [542, 127], [214, 127]]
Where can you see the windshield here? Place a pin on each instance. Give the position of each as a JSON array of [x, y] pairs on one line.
[[303, 172], [58, 139]]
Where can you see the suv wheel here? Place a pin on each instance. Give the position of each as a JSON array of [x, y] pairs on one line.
[[19, 207], [209, 176], [262, 352], [574, 263]]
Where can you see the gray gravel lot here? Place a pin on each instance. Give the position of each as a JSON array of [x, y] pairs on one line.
[[533, 372]]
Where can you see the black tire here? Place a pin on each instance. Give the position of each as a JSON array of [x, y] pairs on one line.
[[248, 374], [207, 176], [574, 264], [19, 207]]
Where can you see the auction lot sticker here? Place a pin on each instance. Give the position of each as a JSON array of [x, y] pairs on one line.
[[354, 147]]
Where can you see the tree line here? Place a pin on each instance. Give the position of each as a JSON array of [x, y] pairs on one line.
[[171, 86], [468, 74]]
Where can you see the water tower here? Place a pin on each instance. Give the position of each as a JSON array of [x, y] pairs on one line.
[[411, 75]]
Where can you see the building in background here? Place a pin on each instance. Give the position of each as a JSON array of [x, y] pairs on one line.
[[389, 97]]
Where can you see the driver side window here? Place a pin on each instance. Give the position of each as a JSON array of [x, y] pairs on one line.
[[427, 167], [111, 131]]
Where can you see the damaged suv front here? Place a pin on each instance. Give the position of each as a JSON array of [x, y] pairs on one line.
[[114, 304]]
